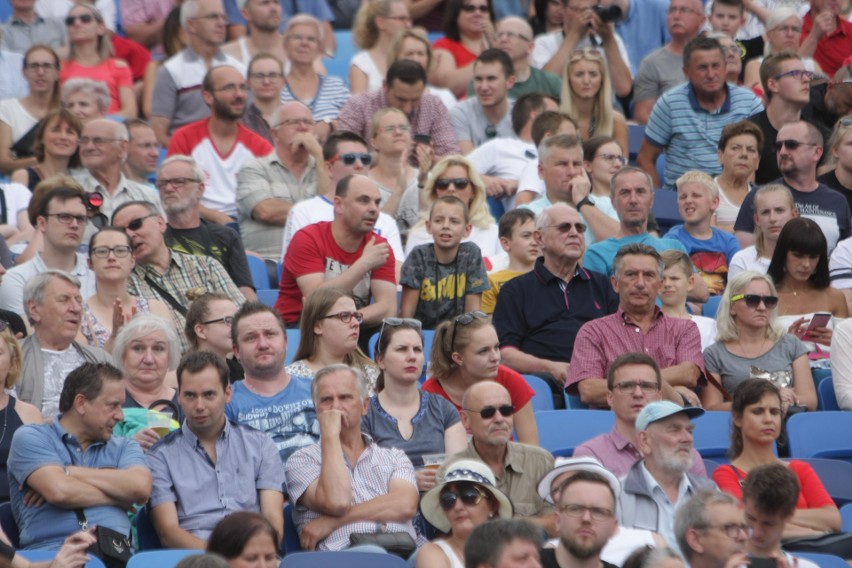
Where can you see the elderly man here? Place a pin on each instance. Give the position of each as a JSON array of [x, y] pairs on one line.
[[268, 187], [632, 381], [345, 253], [535, 325], [181, 184], [639, 326], [54, 308], [687, 121], [165, 275], [74, 466], [268, 398], [143, 152], [515, 37], [487, 414], [177, 90], [241, 461], [503, 543], [657, 484], [58, 212], [346, 483], [711, 532]]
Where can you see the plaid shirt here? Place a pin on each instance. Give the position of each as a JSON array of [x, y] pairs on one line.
[[185, 271], [430, 117]]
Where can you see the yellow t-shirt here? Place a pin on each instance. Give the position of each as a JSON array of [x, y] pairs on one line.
[[497, 279]]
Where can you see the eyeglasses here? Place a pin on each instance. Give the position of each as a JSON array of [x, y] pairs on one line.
[[464, 319], [97, 140], [297, 122], [627, 387], [733, 529], [501, 35], [577, 511], [120, 251], [470, 9], [460, 184], [795, 74], [346, 317], [489, 412], [232, 88], [275, 75], [470, 496], [227, 320], [617, 158], [212, 17], [84, 19], [396, 128], [790, 144], [66, 218], [396, 322], [733, 50], [787, 29], [177, 183], [136, 224], [349, 159], [41, 66], [565, 228], [753, 300]]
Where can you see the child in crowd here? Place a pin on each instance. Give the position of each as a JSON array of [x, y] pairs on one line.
[[710, 249], [773, 207], [516, 230], [446, 278], [678, 281]]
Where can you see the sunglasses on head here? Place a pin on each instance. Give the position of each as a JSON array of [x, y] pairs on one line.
[[505, 410], [753, 300], [396, 322], [84, 19], [469, 496], [459, 183], [464, 319]]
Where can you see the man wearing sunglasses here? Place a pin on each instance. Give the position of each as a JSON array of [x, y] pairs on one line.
[[799, 147], [487, 413]]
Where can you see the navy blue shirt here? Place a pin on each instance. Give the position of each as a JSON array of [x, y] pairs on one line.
[[540, 314]]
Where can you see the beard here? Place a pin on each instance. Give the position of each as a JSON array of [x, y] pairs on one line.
[[581, 551]]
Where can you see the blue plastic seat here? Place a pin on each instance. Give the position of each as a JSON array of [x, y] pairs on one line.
[[665, 209], [146, 536], [160, 558], [293, 338], [560, 431], [268, 297], [826, 395], [47, 555], [712, 435], [846, 517], [711, 306], [340, 558], [635, 136], [291, 542], [7, 522], [259, 272], [835, 476], [574, 401], [822, 434], [543, 398], [822, 560]]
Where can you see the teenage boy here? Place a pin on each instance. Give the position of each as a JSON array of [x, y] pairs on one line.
[[517, 237], [678, 281], [446, 278], [729, 17], [710, 249]]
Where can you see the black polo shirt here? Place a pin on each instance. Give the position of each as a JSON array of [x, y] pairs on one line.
[[540, 314]]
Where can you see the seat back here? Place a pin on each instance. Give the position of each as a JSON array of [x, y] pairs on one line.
[[560, 431], [291, 542], [340, 558], [7, 522], [268, 296], [160, 558], [145, 534], [846, 517], [827, 396], [835, 476], [259, 272], [712, 435], [822, 434], [48, 555], [822, 560], [293, 338], [543, 398]]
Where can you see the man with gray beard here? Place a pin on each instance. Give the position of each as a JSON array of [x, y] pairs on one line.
[[657, 484]]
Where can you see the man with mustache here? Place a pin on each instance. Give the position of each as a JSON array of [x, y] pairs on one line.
[[657, 484]]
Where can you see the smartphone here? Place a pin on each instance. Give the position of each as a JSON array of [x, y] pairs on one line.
[[423, 138], [755, 562], [820, 319]]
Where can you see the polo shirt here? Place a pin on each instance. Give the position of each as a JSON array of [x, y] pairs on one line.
[[600, 256], [540, 314], [470, 124], [833, 49], [689, 133], [19, 36], [644, 28], [603, 204]]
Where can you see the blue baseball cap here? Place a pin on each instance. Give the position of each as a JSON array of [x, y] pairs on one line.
[[660, 409]]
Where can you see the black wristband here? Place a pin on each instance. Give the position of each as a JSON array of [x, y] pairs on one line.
[[584, 201]]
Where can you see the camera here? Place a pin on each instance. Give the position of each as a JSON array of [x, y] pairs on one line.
[[608, 14]]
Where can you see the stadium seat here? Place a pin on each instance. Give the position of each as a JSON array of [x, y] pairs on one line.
[[47, 555], [826, 395], [543, 398], [146, 536], [822, 434], [268, 297], [259, 272], [160, 558], [822, 560], [712, 435], [560, 431], [635, 136], [293, 337], [342, 558], [574, 401], [7, 523], [835, 476], [846, 517], [428, 336], [711, 306], [710, 466], [291, 542], [665, 209]]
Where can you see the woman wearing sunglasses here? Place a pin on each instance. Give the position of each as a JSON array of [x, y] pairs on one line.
[[90, 56], [466, 498], [455, 175], [466, 351], [208, 327], [799, 268], [468, 31], [752, 343], [111, 306], [401, 415], [329, 331]]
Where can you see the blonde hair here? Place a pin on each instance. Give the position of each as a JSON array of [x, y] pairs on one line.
[[413, 33], [603, 112], [759, 237], [365, 32], [441, 363], [379, 115], [837, 135], [15, 357], [104, 43], [726, 326], [695, 176], [480, 215], [675, 258]]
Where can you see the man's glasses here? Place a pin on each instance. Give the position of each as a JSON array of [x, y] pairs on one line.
[[459, 183], [297, 122], [232, 88], [121, 251], [513, 35], [212, 17], [83, 18], [227, 320], [177, 183], [470, 496], [345, 317], [464, 319], [349, 159], [565, 228], [795, 74], [136, 224], [273, 76], [470, 9], [627, 387], [489, 412], [66, 218], [790, 144], [41, 66], [733, 529], [396, 322], [97, 140], [754, 300], [577, 511]]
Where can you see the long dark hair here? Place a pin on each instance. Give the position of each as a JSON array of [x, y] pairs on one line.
[[748, 392], [803, 236], [451, 18], [387, 333], [231, 534]]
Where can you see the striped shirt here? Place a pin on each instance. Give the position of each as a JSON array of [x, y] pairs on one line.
[[331, 95], [689, 133]]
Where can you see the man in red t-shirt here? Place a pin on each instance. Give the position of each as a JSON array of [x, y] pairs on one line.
[[344, 253]]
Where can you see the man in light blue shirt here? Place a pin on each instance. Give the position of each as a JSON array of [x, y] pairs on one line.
[[14, 86]]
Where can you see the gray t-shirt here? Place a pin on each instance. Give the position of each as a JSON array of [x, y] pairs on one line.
[[734, 369], [57, 365], [659, 71], [469, 122]]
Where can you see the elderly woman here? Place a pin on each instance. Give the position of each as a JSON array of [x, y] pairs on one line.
[[740, 147], [466, 498], [147, 352], [56, 148], [85, 98], [752, 343], [208, 328], [455, 175], [376, 25]]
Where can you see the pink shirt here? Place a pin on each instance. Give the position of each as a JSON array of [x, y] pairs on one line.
[[107, 72]]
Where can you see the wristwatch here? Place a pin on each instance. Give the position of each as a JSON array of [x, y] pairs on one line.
[[584, 201]]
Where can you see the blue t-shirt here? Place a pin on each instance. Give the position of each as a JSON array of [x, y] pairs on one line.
[[316, 8], [599, 256], [711, 257], [288, 417]]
